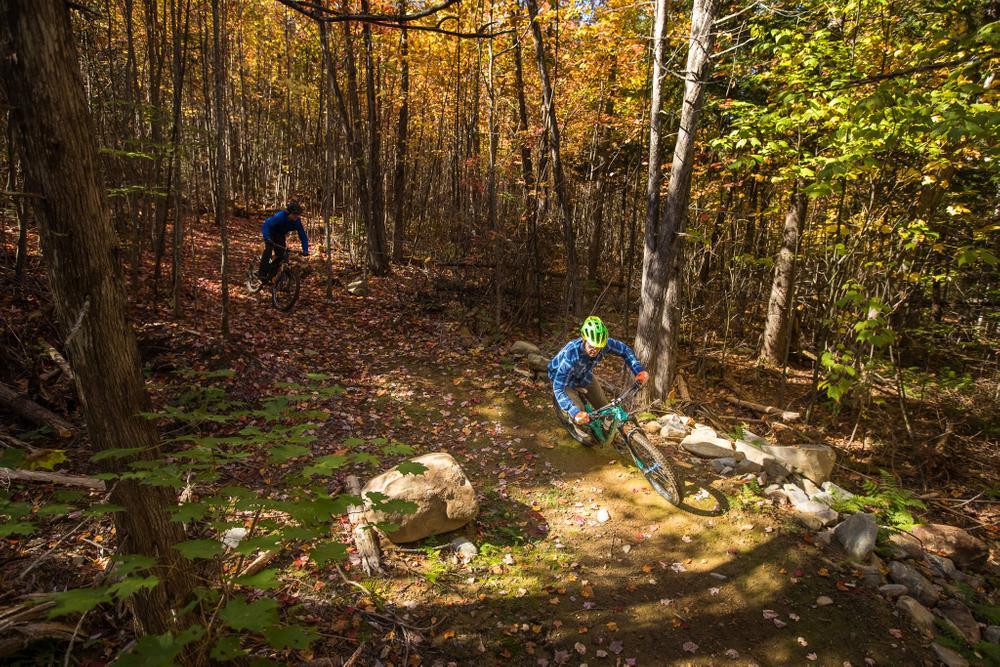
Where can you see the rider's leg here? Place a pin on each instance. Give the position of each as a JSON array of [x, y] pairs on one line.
[[574, 396], [265, 260], [595, 394]]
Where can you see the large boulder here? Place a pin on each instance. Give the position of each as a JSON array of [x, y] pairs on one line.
[[857, 534], [812, 461], [443, 495], [952, 542]]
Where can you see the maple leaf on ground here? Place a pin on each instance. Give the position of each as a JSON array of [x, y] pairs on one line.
[[690, 647]]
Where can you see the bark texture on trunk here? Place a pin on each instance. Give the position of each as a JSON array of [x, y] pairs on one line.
[[776, 330], [39, 72], [659, 319]]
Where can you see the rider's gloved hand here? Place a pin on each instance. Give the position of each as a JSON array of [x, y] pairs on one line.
[[642, 377], [582, 418]]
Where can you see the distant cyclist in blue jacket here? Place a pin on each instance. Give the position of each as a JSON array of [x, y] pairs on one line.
[[275, 229], [572, 370]]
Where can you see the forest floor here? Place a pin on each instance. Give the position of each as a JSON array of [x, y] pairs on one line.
[[652, 585]]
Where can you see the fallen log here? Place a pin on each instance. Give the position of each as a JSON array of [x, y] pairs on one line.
[[784, 415], [364, 536], [35, 413], [53, 478]]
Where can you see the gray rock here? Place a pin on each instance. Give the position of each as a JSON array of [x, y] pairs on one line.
[[814, 515], [776, 494], [948, 657], [919, 586], [745, 466], [232, 537], [812, 461], [443, 494], [706, 443], [523, 348], [942, 566], [871, 576], [904, 545], [678, 422], [920, 617], [464, 547], [672, 433], [824, 537], [893, 590], [651, 427], [992, 634], [807, 486], [952, 542], [959, 616], [796, 496], [857, 534], [838, 492], [723, 466], [775, 472], [751, 446]]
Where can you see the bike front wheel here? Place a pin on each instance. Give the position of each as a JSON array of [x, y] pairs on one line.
[[285, 290], [654, 467]]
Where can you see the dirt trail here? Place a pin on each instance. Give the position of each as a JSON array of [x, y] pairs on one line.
[[652, 586]]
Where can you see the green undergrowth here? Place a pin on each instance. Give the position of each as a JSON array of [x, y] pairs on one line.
[[214, 437]]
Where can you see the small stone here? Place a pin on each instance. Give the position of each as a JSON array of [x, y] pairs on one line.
[[857, 534], [746, 466], [775, 472], [959, 616], [948, 657], [808, 486], [823, 601], [917, 583], [651, 427], [603, 516], [921, 618], [464, 547], [992, 634], [893, 590], [706, 443]]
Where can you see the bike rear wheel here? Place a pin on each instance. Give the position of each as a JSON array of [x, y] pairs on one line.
[[253, 282], [654, 467], [581, 434], [285, 290]]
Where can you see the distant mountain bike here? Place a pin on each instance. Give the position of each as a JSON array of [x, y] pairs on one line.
[[610, 422], [284, 285]]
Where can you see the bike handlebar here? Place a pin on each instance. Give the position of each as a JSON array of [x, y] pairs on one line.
[[628, 393]]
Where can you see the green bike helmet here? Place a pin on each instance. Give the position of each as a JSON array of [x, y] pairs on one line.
[[594, 332]]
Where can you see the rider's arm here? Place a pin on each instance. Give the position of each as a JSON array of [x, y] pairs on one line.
[[302, 237], [619, 348], [559, 382]]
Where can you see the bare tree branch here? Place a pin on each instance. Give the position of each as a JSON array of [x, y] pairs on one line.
[[318, 12]]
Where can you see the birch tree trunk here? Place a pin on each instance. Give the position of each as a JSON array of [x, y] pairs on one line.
[[776, 331]]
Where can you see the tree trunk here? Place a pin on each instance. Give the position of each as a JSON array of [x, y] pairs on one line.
[[647, 334], [665, 271], [218, 37], [776, 330], [571, 294], [402, 128], [39, 70], [378, 256]]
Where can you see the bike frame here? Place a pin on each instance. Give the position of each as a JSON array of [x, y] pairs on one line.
[[606, 422]]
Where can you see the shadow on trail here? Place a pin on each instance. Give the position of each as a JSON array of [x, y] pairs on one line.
[[721, 501]]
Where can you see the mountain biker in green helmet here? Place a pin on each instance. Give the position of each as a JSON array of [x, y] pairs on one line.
[[572, 370]]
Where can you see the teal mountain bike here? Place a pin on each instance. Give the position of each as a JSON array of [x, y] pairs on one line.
[[615, 425]]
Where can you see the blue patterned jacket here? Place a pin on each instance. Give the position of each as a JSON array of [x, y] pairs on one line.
[[573, 368]]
